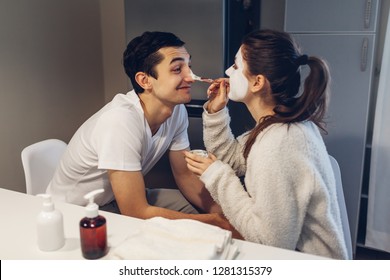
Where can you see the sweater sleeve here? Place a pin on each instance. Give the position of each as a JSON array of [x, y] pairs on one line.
[[219, 140]]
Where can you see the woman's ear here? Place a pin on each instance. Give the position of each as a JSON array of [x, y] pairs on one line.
[[258, 83], [143, 80]]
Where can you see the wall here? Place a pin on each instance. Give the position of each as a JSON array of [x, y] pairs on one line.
[[272, 14], [51, 75], [113, 44]]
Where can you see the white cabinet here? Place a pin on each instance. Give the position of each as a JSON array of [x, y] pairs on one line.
[[343, 32], [333, 16]]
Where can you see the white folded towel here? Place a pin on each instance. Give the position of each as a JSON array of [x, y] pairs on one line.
[[160, 238]]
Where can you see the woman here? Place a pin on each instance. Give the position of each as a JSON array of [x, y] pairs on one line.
[[289, 197]]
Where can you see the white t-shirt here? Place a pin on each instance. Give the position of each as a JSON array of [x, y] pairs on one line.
[[117, 137]]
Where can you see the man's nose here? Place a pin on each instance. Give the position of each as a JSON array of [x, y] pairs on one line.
[[189, 76]]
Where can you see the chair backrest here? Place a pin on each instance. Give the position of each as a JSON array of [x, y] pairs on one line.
[[40, 161], [343, 208]]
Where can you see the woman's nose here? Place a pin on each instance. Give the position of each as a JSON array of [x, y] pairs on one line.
[[229, 71]]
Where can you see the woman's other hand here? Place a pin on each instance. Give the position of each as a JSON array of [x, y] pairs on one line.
[[217, 94], [198, 164]]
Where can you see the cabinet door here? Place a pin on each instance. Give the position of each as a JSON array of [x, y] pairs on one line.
[[331, 15], [350, 60]]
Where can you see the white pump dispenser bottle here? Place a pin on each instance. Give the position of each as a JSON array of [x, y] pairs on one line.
[[50, 226]]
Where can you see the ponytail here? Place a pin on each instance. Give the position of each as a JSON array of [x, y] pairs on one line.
[[312, 103]]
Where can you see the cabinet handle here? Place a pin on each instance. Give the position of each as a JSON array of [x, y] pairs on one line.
[[363, 59], [367, 14]]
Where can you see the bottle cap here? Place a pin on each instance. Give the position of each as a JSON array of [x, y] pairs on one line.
[[48, 205], [92, 208]]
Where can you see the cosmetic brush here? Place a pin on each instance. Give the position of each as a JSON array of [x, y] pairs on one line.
[[201, 79]]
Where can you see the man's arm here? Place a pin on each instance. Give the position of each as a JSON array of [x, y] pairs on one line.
[[190, 185], [129, 191]]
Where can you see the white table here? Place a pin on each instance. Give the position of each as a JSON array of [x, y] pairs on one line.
[[18, 212]]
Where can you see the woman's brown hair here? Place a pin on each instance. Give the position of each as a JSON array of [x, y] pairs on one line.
[[275, 55]]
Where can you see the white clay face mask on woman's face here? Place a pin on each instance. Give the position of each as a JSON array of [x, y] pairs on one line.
[[238, 82]]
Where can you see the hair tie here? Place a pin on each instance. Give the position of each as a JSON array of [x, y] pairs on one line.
[[302, 60]]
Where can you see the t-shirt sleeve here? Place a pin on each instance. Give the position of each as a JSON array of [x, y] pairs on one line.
[[118, 141], [180, 121]]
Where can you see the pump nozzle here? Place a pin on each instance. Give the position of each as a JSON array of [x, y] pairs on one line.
[[91, 195], [48, 204], [92, 207]]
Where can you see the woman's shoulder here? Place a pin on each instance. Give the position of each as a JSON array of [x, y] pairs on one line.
[[295, 136], [292, 131]]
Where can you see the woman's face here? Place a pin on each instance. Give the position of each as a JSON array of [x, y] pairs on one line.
[[238, 81]]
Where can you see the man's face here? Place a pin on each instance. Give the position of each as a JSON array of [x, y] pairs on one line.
[[173, 83]]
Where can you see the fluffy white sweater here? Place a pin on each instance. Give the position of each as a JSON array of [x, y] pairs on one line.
[[289, 198]]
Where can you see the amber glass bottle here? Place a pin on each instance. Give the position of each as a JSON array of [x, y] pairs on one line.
[[93, 236], [93, 230]]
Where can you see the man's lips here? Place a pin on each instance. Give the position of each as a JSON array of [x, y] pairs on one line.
[[184, 87]]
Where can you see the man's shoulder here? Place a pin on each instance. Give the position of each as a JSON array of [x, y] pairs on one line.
[[128, 100], [123, 105]]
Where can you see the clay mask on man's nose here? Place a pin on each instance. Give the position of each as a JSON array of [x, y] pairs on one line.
[[238, 82]]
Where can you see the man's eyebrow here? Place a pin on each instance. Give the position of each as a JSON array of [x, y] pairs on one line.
[[177, 59]]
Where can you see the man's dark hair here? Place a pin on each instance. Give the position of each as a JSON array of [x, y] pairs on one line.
[[142, 54]]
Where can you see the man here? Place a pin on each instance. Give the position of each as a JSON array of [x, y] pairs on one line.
[[117, 146]]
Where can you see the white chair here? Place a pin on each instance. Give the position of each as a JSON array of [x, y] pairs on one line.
[[343, 208], [40, 161]]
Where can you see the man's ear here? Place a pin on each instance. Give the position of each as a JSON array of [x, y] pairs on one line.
[[143, 80], [258, 83]]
